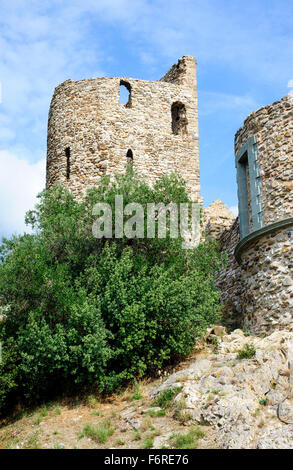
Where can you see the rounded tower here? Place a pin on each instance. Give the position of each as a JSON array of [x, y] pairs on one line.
[[264, 163], [91, 134]]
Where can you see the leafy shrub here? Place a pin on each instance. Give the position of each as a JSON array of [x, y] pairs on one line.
[[96, 313], [264, 401], [92, 401]]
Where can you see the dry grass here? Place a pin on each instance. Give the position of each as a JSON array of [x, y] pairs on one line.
[[90, 422]]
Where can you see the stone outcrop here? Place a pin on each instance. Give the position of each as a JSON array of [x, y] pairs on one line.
[[239, 398]]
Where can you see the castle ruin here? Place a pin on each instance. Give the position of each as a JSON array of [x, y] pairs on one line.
[[90, 134]]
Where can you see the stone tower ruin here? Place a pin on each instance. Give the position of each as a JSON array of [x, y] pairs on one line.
[[90, 134]]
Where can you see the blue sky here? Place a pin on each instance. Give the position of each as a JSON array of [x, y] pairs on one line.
[[244, 52]]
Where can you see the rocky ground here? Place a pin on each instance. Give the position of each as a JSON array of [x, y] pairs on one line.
[[234, 392]]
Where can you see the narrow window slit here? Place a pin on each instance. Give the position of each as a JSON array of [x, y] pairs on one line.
[[67, 154], [129, 160]]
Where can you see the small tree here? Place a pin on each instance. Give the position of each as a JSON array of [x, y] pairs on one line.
[[81, 311]]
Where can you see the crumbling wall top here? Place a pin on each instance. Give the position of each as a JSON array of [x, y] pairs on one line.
[[183, 72], [217, 218]]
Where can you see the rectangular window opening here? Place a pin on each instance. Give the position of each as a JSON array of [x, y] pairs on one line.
[[249, 188], [245, 206]]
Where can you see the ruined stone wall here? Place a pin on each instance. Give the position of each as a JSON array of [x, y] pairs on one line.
[[229, 280], [220, 224], [217, 218], [90, 133]]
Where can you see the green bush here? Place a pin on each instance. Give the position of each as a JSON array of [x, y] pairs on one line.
[[99, 433], [247, 352], [166, 397], [264, 401], [81, 311], [148, 443], [186, 441]]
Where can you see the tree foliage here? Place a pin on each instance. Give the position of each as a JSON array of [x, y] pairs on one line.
[[85, 312]]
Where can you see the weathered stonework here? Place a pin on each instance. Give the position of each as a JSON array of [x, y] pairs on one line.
[[90, 134], [229, 280], [220, 224], [267, 281], [217, 218]]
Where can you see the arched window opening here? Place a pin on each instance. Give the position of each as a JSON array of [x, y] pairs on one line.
[[125, 94], [179, 120], [67, 154]]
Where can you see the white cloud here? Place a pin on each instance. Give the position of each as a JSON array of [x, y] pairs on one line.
[[225, 34], [20, 182], [40, 47]]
